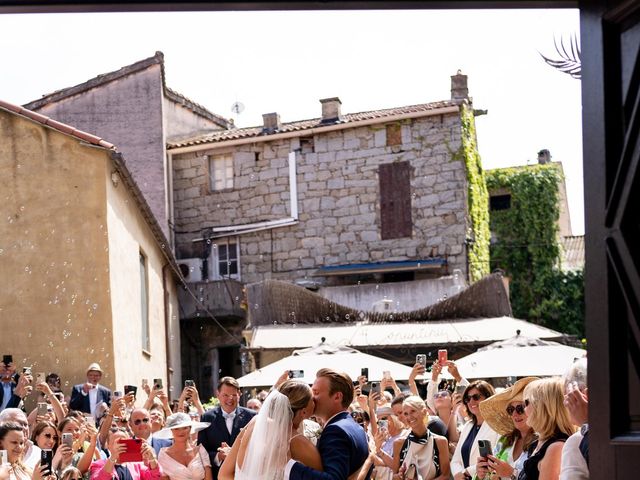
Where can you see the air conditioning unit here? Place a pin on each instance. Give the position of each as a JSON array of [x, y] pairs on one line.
[[191, 269]]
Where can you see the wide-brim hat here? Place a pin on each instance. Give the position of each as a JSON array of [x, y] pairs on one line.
[[95, 367], [494, 408], [180, 420]]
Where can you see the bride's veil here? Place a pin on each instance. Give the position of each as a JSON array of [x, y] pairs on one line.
[[268, 449]]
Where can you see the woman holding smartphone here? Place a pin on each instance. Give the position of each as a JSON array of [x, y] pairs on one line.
[[505, 413]]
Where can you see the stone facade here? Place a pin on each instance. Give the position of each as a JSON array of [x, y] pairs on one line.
[[338, 189]]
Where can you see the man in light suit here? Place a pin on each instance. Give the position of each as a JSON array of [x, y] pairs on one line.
[[343, 444], [86, 397], [226, 421]]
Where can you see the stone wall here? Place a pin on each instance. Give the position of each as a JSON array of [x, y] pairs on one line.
[[338, 198]]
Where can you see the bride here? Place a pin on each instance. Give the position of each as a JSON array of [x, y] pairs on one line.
[[263, 448]]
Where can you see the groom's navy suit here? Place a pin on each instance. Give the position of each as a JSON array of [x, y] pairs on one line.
[[216, 433], [343, 449]]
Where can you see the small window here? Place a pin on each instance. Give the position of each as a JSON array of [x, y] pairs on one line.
[[144, 303], [221, 172], [225, 260], [500, 202], [394, 134]]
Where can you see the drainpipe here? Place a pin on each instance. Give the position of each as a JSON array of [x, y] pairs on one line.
[[293, 185], [167, 337]]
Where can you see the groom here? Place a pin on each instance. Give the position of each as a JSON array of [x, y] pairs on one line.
[[343, 443]]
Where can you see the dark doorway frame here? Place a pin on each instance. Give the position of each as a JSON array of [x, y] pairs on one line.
[[611, 180]]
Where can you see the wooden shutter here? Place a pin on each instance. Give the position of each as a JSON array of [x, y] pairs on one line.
[[395, 200]]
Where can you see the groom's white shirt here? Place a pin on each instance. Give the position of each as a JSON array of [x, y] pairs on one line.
[[292, 462]]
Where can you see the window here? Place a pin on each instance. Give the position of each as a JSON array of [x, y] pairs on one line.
[[499, 202], [394, 134], [225, 259], [395, 200], [221, 172], [144, 303]]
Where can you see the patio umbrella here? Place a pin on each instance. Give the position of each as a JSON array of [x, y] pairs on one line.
[[519, 356], [312, 359]]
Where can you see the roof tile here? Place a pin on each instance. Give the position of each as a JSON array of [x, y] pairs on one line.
[[301, 125]]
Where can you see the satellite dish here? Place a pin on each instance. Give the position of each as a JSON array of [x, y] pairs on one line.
[[237, 108]]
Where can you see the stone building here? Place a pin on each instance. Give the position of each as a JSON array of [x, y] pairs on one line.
[[134, 108], [340, 200], [87, 273]]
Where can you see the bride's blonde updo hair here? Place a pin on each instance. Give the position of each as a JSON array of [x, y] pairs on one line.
[[297, 392]]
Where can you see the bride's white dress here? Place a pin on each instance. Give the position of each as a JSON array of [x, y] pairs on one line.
[[266, 453]]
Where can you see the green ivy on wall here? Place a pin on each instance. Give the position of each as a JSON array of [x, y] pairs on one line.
[[526, 246], [478, 199]]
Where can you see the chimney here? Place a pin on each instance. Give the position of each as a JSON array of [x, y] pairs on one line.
[[331, 110], [544, 156], [271, 122], [459, 90]]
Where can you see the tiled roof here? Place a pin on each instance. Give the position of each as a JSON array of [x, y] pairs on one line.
[[102, 79], [301, 125], [572, 252], [61, 127]]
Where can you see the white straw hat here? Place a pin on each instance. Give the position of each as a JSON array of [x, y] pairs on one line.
[[180, 420]]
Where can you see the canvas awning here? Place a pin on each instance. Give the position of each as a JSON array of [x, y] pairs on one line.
[[364, 335]]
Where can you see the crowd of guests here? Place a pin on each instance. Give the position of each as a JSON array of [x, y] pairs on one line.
[[535, 428]]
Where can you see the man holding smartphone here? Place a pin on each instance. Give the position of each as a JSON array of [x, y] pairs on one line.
[[12, 392], [86, 397]]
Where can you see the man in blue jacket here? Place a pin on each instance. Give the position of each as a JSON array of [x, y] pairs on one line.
[[87, 396], [343, 443]]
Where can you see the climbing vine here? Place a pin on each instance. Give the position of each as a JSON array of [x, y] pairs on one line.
[[525, 245], [478, 199]]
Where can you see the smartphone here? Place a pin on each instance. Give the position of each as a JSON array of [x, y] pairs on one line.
[[40, 378], [4, 459], [7, 359], [189, 383], [386, 374], [88, 418], [117, 394], [133, 452], [375, 387], [67, 439], [442, 357], [130, 389], [145, 382], [484, 448], [46, 459], [43, 409], [296, 373], [383, 424], [364, 372], [26, 370], [421, 358], [157, 384]]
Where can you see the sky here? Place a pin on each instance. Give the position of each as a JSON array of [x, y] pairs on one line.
[[286, 62]]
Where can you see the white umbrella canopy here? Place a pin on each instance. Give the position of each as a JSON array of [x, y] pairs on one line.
[[519, 357], [310, 360]]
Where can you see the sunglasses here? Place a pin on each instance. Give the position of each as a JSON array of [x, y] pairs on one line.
[[141, 420], [441, 394], [519, 409], [476, 397], [50, 435]]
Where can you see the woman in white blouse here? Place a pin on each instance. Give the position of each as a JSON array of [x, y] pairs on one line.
[[463, 463], [184, 460]]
